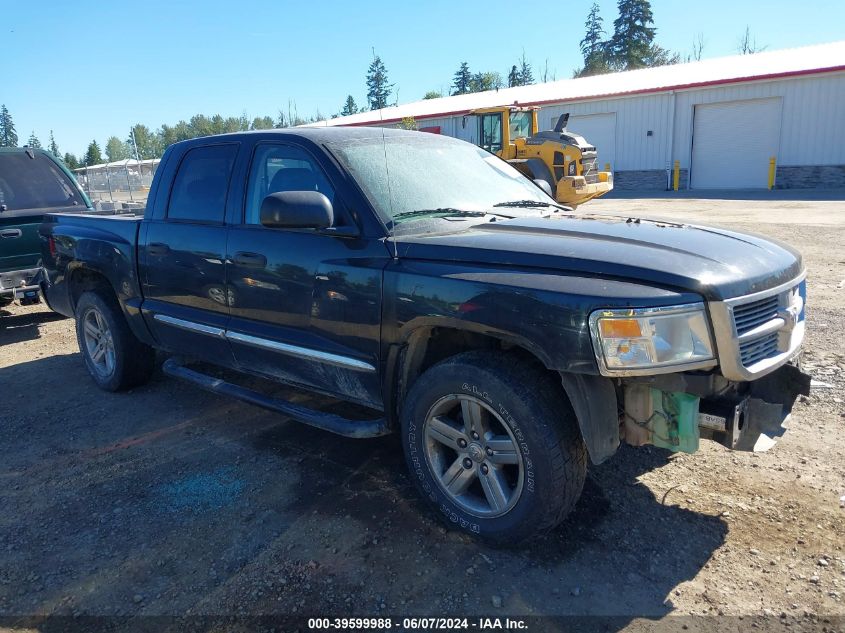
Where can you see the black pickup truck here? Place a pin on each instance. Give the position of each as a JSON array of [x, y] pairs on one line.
[[506, 338]]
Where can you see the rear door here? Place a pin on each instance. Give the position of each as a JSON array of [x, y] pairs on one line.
[[305, 303], [182, 250]]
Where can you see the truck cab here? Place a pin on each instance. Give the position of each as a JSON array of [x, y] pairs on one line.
[[32, 182]]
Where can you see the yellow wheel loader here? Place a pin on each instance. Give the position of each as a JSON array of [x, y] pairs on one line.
[[558, 157]]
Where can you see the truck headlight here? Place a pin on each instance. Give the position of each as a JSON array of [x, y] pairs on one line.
[[652, 340]]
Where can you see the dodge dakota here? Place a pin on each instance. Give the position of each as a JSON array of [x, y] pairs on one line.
[[505, 338]]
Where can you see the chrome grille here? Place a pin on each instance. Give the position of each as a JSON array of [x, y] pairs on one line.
[[759, 349], [751, 315]]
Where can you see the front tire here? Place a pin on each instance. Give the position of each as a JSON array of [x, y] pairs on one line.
[[493, 445], [114, 357]]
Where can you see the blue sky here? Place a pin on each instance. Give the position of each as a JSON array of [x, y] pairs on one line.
[[90, 70]]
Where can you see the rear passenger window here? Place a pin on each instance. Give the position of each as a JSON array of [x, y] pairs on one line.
[[200, 187]]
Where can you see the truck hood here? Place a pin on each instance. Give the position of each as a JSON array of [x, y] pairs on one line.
[[713, 262]]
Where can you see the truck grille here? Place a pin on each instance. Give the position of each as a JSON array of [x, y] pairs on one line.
[[751, 315], [759, 349], [756, 335]]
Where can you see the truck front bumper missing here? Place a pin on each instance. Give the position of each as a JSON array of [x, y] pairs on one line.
[[674, 411]]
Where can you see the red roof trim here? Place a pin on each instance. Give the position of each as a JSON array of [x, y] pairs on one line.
[[700, 84]]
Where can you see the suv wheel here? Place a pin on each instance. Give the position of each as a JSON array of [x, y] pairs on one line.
[[493, 445], [114, 357]]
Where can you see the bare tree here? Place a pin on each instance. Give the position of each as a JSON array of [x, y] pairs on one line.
[[698, 46], [747, 44]]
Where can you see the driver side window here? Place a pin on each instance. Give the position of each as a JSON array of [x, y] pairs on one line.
[[281, 168]]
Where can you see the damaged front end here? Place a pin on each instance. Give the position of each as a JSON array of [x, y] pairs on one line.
[[674, 411]]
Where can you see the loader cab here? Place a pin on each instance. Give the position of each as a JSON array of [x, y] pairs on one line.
[[498, 138]]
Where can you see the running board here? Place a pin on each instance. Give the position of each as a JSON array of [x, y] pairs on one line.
[[326, 421]]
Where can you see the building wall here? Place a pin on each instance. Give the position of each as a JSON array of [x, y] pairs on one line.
[[812, 133], [812, 121]]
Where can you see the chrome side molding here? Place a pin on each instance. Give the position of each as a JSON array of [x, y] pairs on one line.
[[296, 351]]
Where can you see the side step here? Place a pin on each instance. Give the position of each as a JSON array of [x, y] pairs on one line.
[[326, 421]]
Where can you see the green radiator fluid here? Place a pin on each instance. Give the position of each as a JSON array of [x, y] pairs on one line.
[[675, 420]]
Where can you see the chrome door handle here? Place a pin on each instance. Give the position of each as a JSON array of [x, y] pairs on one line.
[[11, 233]]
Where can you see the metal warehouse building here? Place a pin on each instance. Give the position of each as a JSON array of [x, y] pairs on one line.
[[721, 119]]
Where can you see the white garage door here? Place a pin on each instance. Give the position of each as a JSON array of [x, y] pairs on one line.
[[600, 131], [732, 143]]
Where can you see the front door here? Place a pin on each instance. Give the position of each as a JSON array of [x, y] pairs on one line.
[[305, 304], [182, 257]]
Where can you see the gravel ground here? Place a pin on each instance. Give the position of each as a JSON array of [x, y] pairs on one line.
[[172, 501]]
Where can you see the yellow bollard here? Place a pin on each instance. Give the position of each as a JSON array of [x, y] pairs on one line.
[[676, 176], [772, 170], [607, 166]]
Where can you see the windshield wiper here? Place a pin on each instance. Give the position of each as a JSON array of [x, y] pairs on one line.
[[531, 204], [446, 212]]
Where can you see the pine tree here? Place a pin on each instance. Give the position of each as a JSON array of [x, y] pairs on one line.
[[350, 107], [593, 47], [462, 82], [633, 35], [147, 143], [70, 160], [378, 88], [526, 75], [262, 123], [116, 149], [8, 135], [53, 147], [92, 155], [513, 77], [33, 141]]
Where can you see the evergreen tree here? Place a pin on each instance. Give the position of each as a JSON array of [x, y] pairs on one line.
[[92, 155], [350, 107], [513, 77], [53, 147], [71, 161], [8, 135], [262, 123], [526, 75], [33, 141], [378, 88], [633, 36], [433, 94], [485, 81], [147, 143], [116, 149], [462, 82], [593, 47]]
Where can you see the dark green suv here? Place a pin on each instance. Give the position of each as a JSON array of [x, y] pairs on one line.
[[32, 182]]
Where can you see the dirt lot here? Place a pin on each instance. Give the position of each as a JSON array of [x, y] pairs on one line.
[[171, 501]]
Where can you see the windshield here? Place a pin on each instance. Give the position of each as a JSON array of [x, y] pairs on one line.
[[421, 182], [34, 182]]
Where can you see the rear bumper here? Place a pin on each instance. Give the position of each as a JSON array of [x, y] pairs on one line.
[[576, 190], [14, 282]]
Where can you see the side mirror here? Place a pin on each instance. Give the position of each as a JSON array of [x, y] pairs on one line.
[[296, 210], [545, 186]]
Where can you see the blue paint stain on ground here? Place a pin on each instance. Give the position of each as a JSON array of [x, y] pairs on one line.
[[201, 492]]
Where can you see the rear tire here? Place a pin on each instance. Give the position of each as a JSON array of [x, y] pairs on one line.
[[516, 469], [114, 357]]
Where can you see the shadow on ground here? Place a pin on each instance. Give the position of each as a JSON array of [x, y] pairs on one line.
[[16, 328], [168, 500]]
